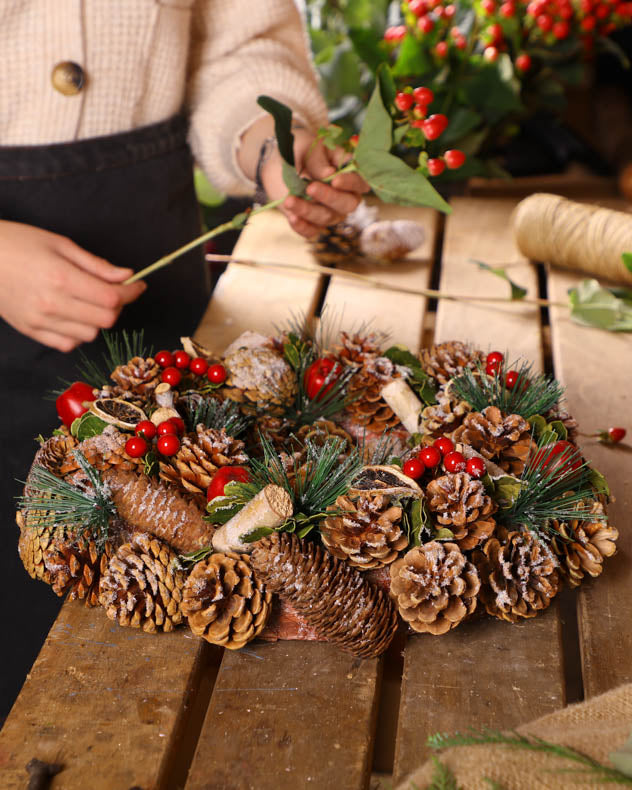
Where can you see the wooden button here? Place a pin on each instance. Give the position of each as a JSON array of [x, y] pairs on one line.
[[68, 78]]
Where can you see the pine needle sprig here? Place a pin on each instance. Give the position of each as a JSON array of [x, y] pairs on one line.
[[214, 413], [532, 393], [589, 766], [382, 452], [54, 503], [305, 410]]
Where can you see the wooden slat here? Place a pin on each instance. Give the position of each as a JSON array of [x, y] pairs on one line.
[[288, 715], [596, 368], [105, 701], [486, 672]]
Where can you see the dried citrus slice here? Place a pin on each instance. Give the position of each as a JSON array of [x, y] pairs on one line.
[[117, 411], [386, 480]]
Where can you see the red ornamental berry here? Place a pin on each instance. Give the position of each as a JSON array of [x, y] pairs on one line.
[[420, 111], [475, 467], [414, 468], [561, 30], [454, 462], [441, 50], [443, 445], [460, 42], [454, 158], [616, 434], [320, 377], [434, 126], [171, 376], [168, 444], [544, 22], [167, 427], [523, 62], [164, 359], [146, 429], [508, 10], [562, 458], [490, 54], [436, 167], [418, 7], [494, 358], [423, 96], [495, 33], [224, 475], [199, 366], [136, 446], [404, 101], [216, 374], [179, 424], [181, 359], [588, 23], [395, 34], [511, 379], [430, 457], [425, 24], [449, 11], [418, 123], [70, 404], [488, 6], [354, 139]]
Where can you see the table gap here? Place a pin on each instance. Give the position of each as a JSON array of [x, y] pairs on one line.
[[388, 706]]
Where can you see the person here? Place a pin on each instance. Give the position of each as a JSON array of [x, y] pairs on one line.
[[103, 110]]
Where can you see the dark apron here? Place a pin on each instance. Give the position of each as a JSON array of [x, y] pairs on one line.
[[130, 199]]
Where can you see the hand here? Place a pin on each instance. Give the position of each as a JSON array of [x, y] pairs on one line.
[[330, 203], [54, 291]]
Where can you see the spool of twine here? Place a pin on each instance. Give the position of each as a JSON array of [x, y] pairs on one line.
[[586, 238]]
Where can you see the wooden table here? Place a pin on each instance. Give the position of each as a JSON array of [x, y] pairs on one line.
[[122, 709]]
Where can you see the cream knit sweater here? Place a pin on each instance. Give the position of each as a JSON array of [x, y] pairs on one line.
[[144, 61]]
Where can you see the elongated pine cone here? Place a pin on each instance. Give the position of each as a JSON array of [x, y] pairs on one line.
[[435, 587], [358, 348], [460, 503], [367, 407], [519, 576], [141, 586], [224, 601], [504, 439], [447, 360], [137, 377], [369, 532], [444, 416], [334, 599], [75, 565], [259, 378], [199, 457], [33, 542], [584, 542], [106, 451]]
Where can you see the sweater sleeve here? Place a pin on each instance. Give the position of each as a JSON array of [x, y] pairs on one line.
[[240, 50]]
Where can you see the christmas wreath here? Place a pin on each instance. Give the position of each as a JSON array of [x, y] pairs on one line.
[[342, 482]]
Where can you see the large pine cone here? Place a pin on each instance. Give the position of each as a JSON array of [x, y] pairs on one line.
[[358, 348], [75, 566], [334, 599], [435, 587], [447, 360], [504, 439], [141, 586], [583, 544], [35, 538], [224, 601], [106, 451], [460, 503], [199, 457], [259, 378], [138, 377], [367, 407], [444, 416], [369, 533], [519, 575], [52, 454]]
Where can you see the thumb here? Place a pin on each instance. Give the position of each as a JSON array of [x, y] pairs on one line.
[[129, 293], [92, 264]]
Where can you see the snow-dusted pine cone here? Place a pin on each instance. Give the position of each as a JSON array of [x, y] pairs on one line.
[[53, 452], [138, 377], [447, 360], [358, 348], [367, 407], [444, 416], [369, 532], [460, 503], [105, 451], [435, 587], [317, 433], [35, 536], [259, 378]]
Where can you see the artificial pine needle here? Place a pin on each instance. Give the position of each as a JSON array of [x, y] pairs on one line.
[[214, 413]]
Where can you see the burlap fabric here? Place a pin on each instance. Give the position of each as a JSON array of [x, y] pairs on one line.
[[596, 728]]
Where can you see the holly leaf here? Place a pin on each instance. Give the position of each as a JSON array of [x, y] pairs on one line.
[[559, 428], [420, 521], [517, 291], [626, 257], [376, 132], [419, 380], [538, 425], [282, 125], [295, 184], [506, 490], [592, 305]]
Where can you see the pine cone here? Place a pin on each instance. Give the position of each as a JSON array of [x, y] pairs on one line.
[[199, 457], [33, 542], [52, 454], [367, 407], [141, 587], [274, 428], [75, 566], [334, 599], [368, 535], [224, 601], [138, 377], [337, 244], [317, 433], [446, 360], [504, 439], [519, 575], [569, 422], [444, 416], [583, 544], [359, 348], [460, 503], [435, 587], [106, 451], [259, 378]]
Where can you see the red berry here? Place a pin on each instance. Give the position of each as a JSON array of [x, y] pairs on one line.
[[441, 50], [418, 7], [136, 446], [436, 167], [181, 359], [523, 62], [70, 404], [434, 126], [420, 111], [225, 474], [490, 54], [511, 379], [443, 445], [454, 462], [167, 427], [460, 42], [423, 96], [475, 467], [494, 358], [425, 24], [395, 34], [507, 10], [199, 366], [449, 11], [354, 139], [414, 468], [454, 158], [616, 434], [561, 30], [171, 376], [216, 374], [495, 33], [544, 22], [588, 23], [168, 444], [146, 429], [430, 457], [164, 359], [179, 424], [560, 459], [316, 377], [404, 101], [488, 6]]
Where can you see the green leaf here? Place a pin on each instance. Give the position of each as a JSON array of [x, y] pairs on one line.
[[626, 257], [331, 135], [592, 305], [538, 425], [506, 490], [412, 60], [293, 181], [388, 87], [87, 425], [443, 534], [559, 428], [462, 121], [485, 89], [205, 191], [256, 534], [376, 134], [394, 182], [282, 125], [517, 291], [622, 758], [598, 481], [419, 380], [368, 46]]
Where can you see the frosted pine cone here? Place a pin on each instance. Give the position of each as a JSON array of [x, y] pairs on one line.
[[259, 378], [138, 377], [461, 504], [519, 575], [504, 439], [367, 407], [435, 587], [317, 433], [35, 537], [444, 416], [106, 451], [224, 601], [75, 566], [357, 349], [369, 533], [447, 360], [52, 454]]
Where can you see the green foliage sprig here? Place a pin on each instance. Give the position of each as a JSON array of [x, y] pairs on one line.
[[214, 413]]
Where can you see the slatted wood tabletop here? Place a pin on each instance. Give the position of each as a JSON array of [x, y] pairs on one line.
[[124, 710]]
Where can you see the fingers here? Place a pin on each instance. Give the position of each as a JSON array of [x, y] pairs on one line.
[[351, 182], [317, 164], [338, 201], [90, 263], [314, 212], [302, 226], [55, 340]]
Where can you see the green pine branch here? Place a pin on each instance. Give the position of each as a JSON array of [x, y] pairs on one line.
[[214, 413]]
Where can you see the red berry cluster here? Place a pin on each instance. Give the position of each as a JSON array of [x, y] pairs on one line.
[[494, 367], [166, 433], [174, 363], [556, 20], [442, 449]]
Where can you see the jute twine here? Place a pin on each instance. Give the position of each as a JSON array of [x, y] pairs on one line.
[[589, 239]]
